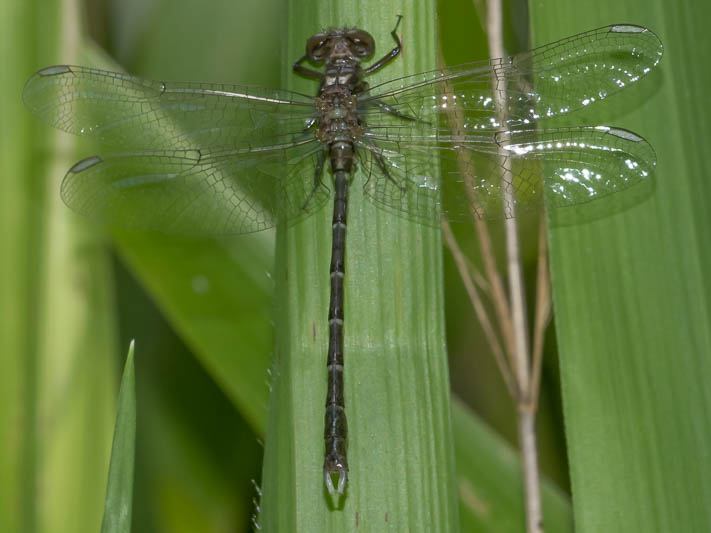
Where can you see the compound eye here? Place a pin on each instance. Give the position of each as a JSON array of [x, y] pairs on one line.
[[363, 43], [315, 47]]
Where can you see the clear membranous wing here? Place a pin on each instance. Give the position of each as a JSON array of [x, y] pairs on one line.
[[227, 159], [549, 81], [552, 168], [135, 113], [198, 192]]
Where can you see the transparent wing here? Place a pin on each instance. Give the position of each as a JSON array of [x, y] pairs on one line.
[[549, 81], [197, 192], [135, 113], [556, 168]]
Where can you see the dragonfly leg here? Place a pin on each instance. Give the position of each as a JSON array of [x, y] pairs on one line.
[[392, 111], [381, 163], [305, 71], [392, 54], [318, 172]]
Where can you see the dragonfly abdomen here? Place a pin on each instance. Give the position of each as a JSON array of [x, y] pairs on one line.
[[336, 428]]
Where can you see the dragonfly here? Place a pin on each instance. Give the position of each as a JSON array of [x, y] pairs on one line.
[[217, 159]]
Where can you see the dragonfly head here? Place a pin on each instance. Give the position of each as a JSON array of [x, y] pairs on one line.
[[341, 44]]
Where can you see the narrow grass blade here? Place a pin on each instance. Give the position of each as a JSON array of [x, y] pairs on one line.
[[119, 487]]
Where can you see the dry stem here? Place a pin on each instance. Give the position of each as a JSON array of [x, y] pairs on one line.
[[521, 366], [520, 373]]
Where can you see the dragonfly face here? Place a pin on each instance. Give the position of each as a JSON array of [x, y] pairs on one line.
[[343, 43]]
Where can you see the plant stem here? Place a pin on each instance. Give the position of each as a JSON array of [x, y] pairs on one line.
[[526, 409]]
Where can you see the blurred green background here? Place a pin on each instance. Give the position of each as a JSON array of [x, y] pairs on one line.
[[631, 292]]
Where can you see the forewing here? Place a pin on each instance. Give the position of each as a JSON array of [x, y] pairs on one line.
[[134, 113], [500, 175], [194, 192], [549, 81]]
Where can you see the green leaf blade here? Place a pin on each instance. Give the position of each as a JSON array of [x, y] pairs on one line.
[[397, 387], [632, 298], [119, 487]]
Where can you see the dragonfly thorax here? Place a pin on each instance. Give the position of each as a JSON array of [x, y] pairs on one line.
[[338, 117]]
